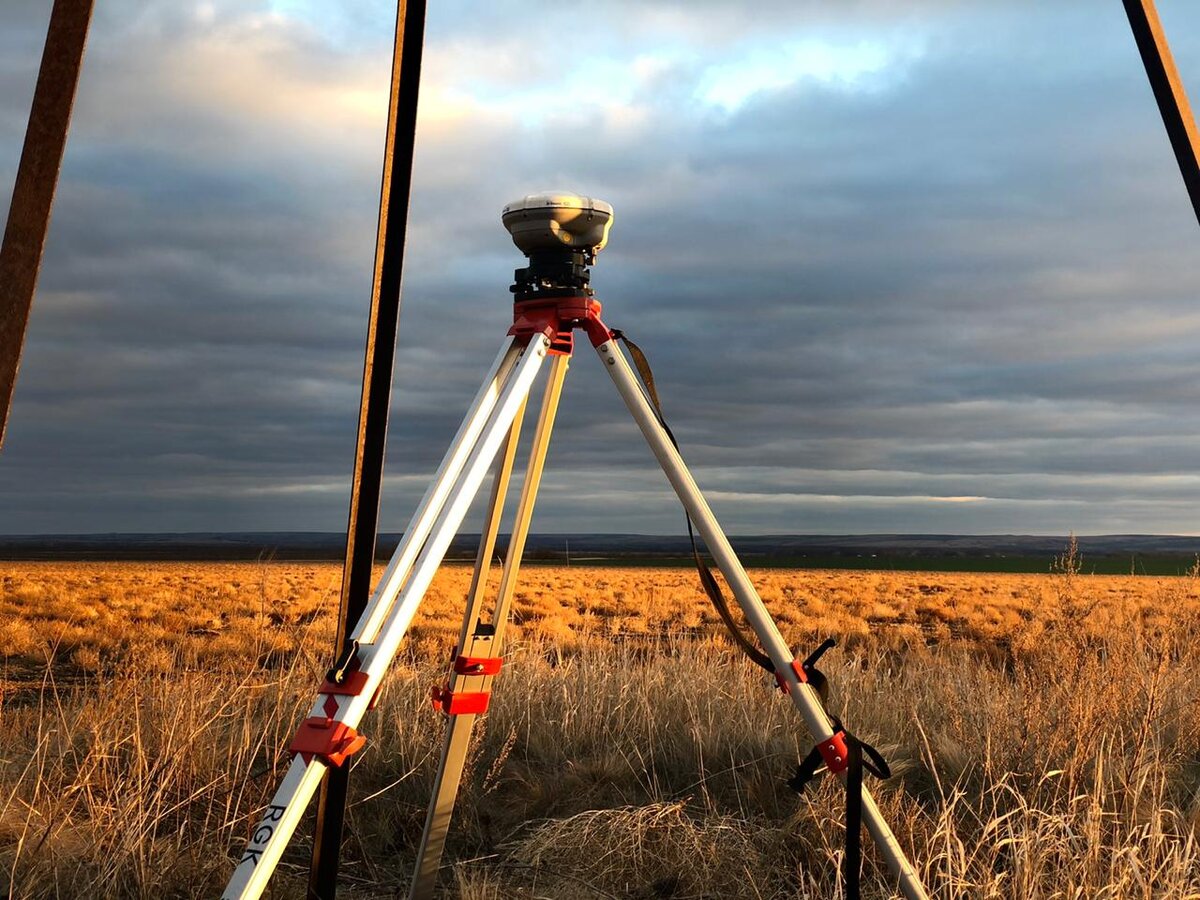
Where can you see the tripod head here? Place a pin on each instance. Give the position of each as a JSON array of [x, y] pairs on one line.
[[560, 234]]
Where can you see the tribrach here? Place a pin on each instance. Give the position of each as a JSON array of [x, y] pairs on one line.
[[560, 234]]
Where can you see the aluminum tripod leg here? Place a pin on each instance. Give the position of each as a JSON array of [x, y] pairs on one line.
[[336, 712], [805, 698], [481, 640], [458, 727], [431, 504]]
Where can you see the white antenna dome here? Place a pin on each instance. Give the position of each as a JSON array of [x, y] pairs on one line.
[[558, 220]]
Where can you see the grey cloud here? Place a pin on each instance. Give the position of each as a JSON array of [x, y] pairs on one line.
[[973, 278]]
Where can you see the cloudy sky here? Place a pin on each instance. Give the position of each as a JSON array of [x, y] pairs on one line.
[[897, 271]]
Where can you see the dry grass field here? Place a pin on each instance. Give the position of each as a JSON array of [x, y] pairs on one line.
[[1045, 732]]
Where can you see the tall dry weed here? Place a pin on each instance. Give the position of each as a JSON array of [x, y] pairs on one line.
[[1057, 759]]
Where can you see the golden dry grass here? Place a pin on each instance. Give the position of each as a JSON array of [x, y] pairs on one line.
[[92, 617], [1044, 729]]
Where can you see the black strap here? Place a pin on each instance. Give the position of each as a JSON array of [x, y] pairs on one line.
[[852, 858], [862, 757], [816, 677], [707, 580], [857, 764]]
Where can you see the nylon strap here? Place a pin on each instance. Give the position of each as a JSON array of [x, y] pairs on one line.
[[852, 858], [861, 757], [858, 763], [707, 579]]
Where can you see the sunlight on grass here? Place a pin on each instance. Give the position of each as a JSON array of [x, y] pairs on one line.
[[1043, 730]]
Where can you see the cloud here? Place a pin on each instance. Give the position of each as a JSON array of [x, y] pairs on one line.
[[919, 267]]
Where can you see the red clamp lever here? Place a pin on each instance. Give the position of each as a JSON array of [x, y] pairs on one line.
[[460, 703], [457, 703], [325, 738]]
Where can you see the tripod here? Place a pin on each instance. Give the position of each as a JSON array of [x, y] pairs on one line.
[[547, 314]]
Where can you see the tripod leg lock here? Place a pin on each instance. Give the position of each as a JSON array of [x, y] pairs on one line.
[[352, 684], [326, 739], [477, 665], [801, 676], [458, 703], [835, 753], [344, 665], [808, 673]]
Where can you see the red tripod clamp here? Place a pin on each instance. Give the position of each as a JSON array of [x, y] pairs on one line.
[[327, 739], [557, 318], [478, 665], [457, 703], [835, 752], [801, 676]]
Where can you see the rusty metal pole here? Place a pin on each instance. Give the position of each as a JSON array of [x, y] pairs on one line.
[[37, 179], [1169, 92], [362, 530]]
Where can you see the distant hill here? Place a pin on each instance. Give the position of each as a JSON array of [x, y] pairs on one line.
[[1112, 553]]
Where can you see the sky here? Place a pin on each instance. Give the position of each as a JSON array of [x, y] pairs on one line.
[[919, 267]]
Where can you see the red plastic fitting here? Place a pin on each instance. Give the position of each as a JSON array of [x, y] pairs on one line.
[[354, 684], [835, 753], [557, 318], [801, 676], [332, 741], [460, 703], [477, 665]]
